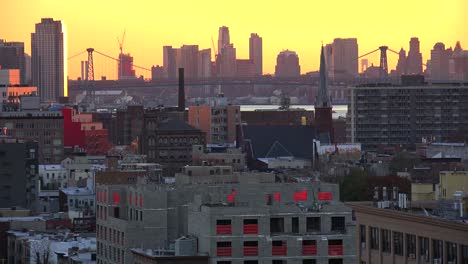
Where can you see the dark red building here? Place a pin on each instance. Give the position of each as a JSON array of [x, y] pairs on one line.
[[72, 133]]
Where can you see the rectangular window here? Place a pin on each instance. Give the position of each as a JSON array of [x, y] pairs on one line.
[[309, 247], [386, 241], [223, 249], [437, 249], [223, 227], [295, 225], [362, 235], [398, 243], [278, 248], [313, 224], [250, 248], [309, 261], [276, 225], [451, 249], [464, 256], [338, 223], [411, 246], [374, 236], [424, 248], [250, 226], [335, 247]]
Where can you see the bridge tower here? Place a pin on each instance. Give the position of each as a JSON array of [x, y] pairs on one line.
[[90, 81], [383, 61]]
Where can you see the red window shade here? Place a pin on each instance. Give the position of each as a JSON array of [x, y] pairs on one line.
[[116, 198], [300, 196], [250, 229], [141, 201], [234, 192], [277, 196], [230, 198], [335, 250], [324, 196], [223, 251], [250, 251]]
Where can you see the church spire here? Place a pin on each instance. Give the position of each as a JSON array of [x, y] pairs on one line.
[[322, 99]]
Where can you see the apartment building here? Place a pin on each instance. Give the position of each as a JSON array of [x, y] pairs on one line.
[[406, 115]]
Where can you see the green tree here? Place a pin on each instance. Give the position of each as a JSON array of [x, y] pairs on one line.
[[353, 187]]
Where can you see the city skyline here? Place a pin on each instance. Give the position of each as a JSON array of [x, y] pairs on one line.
[[303, 31]]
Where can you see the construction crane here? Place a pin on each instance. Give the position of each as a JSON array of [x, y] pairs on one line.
[[121, 42]]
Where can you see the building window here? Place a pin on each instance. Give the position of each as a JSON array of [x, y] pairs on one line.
[[309, 247], [338, 223], [250, 261], [223, 227], [250, 248], [313, 224], [276, 225], [437, 249], [295, 225], [374, 236], [335, 261], [424, 248], [250, 226], [223, 249], [309, 261], [411, 246], [277, 261], [386, 241], [451, 249], [398, 243], [279, 248], [362, 235], [335, 247], [464, 254]]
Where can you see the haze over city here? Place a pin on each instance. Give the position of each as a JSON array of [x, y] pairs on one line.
[[298, 26]]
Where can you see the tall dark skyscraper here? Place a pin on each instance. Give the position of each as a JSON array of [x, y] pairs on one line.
[[48, 62], [12, 57], [401, 68], [223, 38], [414, 60], [323, 106], [256, 52]]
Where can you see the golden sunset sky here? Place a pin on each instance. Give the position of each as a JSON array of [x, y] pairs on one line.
[[294, 25]]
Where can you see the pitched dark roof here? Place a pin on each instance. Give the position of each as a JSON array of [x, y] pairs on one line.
[[280, 141], [175, 124]]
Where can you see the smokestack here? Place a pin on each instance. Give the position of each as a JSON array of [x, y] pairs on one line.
[[181, 90]]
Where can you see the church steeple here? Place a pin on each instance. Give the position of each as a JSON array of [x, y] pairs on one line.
[[322, 99], [323, 107]]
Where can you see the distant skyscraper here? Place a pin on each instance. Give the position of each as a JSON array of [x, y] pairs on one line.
[[401, 68], [245, 69], [204, 63], [342, 57], [414, 59], [12, 57], [256, 52], [189, 60], [84, 70], [27, 70], [223, 38], [440, 57], [227, 61], [364, 64], [287, 64], [48, 60], [323, 106], [170, 62], [125, 67]]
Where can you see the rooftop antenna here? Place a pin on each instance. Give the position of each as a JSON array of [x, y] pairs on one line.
[[121, 42]]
